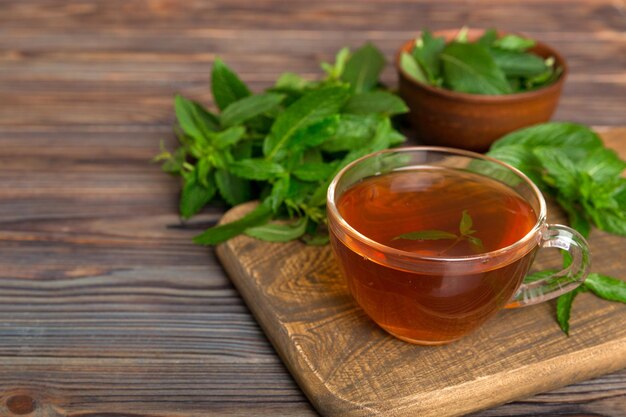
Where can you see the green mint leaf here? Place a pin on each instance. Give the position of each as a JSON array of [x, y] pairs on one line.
[[576, 216], [488, 38], [384, 137], [315, 134], [562, 172], [242, 150], [427, 53], [515, 83], [461, 35], [335, 70], [465, 226], [292, 86], [539, 275], [376, 102], [353, 132], [202, 170], [172, 163], [226, 86], [218, 234], [262, 124], [564, 308], [233, 189], [607, 287], [609, 194], [427, 235], [228, 137], [279, 192], [318, 197], [317, 239], [470, 69], [245, 109], [602, 164], [314, 171], [567, 258], [194, 119], [299, 191], [495, 171], [574, 140], [256, 169], [310, 108], [363, 68], [518, 64], [412, 68], [521, 158], [514, 43], [570, 161], [312, 155], [290, 81], [476, 242], [195, 195], [548, 77], [609, 220], [278, 232]]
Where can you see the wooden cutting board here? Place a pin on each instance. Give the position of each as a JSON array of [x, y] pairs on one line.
[[348, 366]]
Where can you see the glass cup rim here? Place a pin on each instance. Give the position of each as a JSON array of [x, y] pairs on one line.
[[332, 207]]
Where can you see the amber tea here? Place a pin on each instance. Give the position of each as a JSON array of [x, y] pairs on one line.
[[436, 213]]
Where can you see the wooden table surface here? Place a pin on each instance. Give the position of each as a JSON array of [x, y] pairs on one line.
[[106, 307]]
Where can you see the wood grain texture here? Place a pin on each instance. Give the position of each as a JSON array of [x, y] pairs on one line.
[[106, 308], [348, 366]]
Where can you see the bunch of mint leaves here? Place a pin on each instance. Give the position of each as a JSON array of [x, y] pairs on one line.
[[282, 146], [569, 162], [491, 65]]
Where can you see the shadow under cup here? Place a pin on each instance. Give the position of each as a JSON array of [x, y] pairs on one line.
[[435, 299]]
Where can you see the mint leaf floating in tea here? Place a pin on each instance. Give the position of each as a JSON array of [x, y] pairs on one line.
[[427, 235], [465, 233], [465, 227]]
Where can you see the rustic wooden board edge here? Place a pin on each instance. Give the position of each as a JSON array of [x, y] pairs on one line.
[[324, 400], [516, 384], [472, 396]]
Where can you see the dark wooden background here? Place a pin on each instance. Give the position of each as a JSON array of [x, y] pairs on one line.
[[106, 308]]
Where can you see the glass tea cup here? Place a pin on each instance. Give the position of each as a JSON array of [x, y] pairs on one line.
[[426, 297]]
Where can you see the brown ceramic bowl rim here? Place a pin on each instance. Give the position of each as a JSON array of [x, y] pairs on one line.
[[484, 98]]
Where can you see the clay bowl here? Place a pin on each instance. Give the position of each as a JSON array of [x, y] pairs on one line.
[[472, 121]]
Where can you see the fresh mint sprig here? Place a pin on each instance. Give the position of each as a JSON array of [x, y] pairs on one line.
[[569, 162], [465, 233], [282, 146]]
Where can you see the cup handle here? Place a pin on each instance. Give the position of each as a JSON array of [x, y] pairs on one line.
[[566, 238]]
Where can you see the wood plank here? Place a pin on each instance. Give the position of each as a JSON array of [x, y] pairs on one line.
[[389, 15]]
